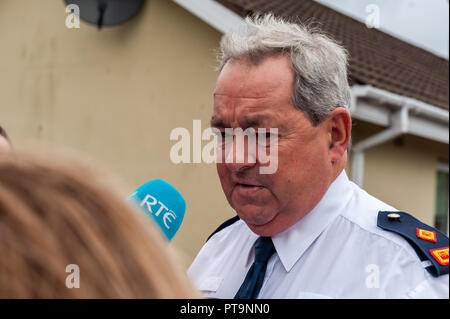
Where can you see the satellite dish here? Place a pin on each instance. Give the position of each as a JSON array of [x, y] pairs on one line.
[[107, 12]]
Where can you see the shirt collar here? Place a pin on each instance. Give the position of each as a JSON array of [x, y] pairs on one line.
[[293, 242]]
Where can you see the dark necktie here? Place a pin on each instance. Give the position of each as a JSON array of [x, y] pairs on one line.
[[253, 281]]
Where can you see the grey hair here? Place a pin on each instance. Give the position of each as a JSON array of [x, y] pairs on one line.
[[319, 63]]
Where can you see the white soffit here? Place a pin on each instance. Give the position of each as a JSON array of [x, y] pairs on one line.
[[213, 13], [424, 120]]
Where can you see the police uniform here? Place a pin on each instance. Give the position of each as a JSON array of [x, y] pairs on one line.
[[351, 245]]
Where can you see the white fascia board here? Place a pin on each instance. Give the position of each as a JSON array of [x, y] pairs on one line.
[[368, 112], [417, 125], [382, 96], [213, 13], [424, 120], [428, 129]]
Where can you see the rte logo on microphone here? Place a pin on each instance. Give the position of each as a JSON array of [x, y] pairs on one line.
[[163, 204], [150, 201]]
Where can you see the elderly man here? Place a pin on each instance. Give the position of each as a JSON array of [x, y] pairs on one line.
[[4, 143], [304, 231]]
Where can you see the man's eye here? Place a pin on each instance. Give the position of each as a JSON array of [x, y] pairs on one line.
[[266, 135], [219, 133], [267, 139], [224, 135], [229, 135]]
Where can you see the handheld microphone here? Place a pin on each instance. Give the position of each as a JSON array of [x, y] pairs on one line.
[[163, 203]]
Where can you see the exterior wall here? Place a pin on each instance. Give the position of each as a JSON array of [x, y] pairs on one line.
[[116, 94], [402, 172]]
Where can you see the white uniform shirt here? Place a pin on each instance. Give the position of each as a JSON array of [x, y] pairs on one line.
[[335, 251]]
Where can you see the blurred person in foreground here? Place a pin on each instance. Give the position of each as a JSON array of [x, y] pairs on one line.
[[55, 213], [5, 145], [305, 230]]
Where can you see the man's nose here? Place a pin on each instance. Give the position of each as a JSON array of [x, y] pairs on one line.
[[240, 156]]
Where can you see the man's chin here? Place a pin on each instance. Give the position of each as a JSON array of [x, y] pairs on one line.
[[257, 220], [266, 230]]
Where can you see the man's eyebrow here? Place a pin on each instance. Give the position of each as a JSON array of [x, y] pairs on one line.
[[247, 120], [216, 122], [257, 120]]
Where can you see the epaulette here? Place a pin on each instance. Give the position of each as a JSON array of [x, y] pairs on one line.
[[428, 242], [224, 224]]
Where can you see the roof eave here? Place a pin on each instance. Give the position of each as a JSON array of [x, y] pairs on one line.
[[213, 13]]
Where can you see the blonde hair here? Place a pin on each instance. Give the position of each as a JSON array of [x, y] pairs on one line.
[[54, 214]]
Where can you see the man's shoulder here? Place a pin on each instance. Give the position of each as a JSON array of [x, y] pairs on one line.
[[224, 225], [228, 234], [397, 231], [430, 244], [362, 210], [224, 244]]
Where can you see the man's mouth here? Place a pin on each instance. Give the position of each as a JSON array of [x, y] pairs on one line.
[[247, 189]]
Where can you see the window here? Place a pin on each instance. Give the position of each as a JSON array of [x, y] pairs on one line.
[[441, 210]]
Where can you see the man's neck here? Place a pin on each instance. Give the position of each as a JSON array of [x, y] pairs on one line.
[[338, 167]]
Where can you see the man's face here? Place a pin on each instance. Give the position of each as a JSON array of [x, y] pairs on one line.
[[260, 97]]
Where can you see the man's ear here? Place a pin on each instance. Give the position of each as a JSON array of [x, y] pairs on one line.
[[338, 126]]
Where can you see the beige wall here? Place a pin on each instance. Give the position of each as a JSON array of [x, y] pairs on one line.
[[117, 94], [402, 172]]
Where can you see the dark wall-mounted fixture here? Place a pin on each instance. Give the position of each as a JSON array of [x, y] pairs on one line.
[[107, 12]]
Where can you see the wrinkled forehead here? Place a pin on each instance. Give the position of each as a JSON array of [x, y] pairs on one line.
[[248, 95], [242, 79]]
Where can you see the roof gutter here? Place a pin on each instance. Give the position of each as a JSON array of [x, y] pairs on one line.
[[383, 96], [408, 116], [213, 13]]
